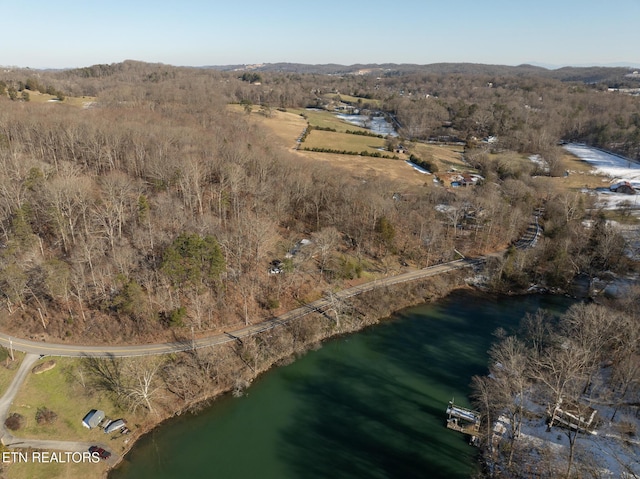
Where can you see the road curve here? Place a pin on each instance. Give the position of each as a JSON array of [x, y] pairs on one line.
[[79, 350]]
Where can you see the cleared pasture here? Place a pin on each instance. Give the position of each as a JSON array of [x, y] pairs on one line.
[[326, 119], [354, 100], [344, 142]]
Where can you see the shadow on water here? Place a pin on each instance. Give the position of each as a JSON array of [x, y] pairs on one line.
[[378, 409], [368, 424], [447, 343], [369, 405]]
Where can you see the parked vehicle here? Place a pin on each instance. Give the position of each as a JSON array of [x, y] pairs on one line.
[[102, 453]]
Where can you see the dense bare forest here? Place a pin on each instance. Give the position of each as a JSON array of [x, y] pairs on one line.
[[154, 209], [135, 205]]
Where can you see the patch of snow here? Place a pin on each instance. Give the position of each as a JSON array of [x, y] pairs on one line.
[[419, 169], [442, 208], [612, 452], [541, 162], [297, 247], [610, 200], [377, 124]]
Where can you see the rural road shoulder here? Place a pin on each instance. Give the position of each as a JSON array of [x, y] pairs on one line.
[[79, 350]]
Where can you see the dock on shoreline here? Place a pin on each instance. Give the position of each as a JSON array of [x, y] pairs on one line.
[[464, 420]]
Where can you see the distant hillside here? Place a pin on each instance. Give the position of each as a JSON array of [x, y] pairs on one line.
[[580, 74]]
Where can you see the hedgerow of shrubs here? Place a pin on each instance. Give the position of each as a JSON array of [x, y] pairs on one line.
[[375, 154]]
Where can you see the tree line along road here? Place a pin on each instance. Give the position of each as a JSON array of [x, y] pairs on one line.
[[320, 305]]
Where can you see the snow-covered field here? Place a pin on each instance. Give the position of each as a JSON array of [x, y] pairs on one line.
[[616, 168], [377, 124]]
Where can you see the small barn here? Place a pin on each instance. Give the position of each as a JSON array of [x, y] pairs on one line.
[[93, 418]]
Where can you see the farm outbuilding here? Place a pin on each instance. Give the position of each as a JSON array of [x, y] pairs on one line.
[[93, 418]]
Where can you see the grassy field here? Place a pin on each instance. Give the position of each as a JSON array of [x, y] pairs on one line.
[[326, 119], [61, 390], [37, 97], [350, 99], [288, 126], [362, 167], [445, 157], [344, 142], [580, 174]]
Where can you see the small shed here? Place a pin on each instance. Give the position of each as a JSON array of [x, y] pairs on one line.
[[573, 416], [93, 418], [114, 426]]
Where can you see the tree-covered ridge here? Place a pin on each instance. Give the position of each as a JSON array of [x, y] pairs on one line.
[[157, 208]]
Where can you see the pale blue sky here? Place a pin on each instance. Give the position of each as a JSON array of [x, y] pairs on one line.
[[73, 33]]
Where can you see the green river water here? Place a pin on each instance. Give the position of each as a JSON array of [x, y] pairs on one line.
[[368, 405]]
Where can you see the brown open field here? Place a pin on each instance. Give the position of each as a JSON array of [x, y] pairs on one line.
[[288, 126], [580, 175], [37, 97], [350, 99], [445, 157], [366, 166]]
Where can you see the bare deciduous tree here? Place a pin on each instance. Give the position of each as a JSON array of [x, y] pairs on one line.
[[510, 372]]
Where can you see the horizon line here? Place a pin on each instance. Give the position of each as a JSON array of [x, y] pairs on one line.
[[547, 66]]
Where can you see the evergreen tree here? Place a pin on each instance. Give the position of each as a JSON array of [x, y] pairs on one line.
[[193, 260]]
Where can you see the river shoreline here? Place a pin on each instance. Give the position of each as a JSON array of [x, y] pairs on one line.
[[374, 306], [370, 404]]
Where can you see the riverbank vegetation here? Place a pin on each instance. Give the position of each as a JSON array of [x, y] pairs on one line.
[[146, 391], [142, 208], [561, 396]]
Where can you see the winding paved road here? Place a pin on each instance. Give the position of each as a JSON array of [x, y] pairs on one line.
[[33, 349], [78, 350]]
